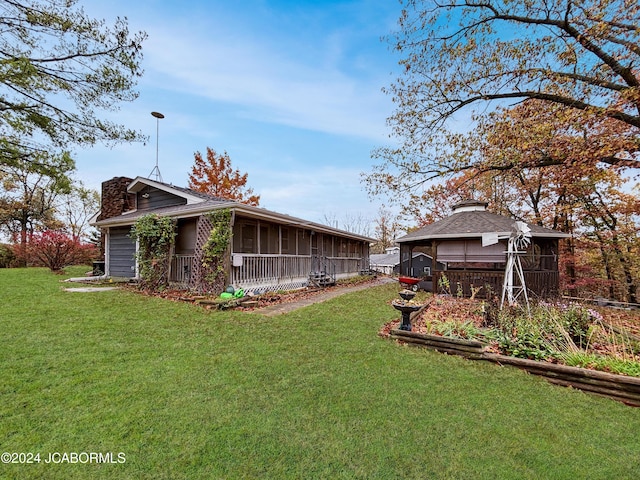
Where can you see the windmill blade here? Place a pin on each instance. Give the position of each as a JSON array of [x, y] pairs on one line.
[[521, 235], [522, 228]]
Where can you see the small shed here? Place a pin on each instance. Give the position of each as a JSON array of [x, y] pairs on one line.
[[457, 243], [389, 263]]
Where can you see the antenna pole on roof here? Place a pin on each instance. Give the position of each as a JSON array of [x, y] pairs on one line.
[[156, 169]]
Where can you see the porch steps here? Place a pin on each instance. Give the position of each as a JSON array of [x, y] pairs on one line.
[[321, 279]]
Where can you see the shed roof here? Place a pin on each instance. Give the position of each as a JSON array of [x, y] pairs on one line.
[[472, 224], [391, 259]]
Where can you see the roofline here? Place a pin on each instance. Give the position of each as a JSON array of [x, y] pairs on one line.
[[448, 236], [124, 219], [134, 187], [258, 212]]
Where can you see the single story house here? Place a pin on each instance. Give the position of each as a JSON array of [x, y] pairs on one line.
[[457, 241], [385, 262], [268, 251]]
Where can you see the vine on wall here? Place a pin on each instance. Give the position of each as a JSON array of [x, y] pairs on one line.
[[155, 236], [214, 254]]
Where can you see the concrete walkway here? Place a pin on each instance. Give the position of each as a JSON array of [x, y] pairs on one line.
[[274, 310], [90, 289]]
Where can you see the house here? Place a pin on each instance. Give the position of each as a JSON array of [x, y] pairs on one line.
[[457, 241], [268, 250], [385, 262]]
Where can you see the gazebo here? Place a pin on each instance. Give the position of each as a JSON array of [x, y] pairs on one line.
[[472, 243]]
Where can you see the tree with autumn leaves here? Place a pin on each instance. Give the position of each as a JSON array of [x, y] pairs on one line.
[[215, 176], [542, 164], [550, 93]]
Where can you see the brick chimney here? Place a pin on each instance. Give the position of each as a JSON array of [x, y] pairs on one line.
[[115, 198]]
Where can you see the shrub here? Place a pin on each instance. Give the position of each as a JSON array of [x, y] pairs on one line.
[[603, 363], [55, 250], [540, 334], [155, 236], [7, 257], [457, 329]]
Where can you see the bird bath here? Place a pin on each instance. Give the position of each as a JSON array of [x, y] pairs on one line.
[[406, 307]]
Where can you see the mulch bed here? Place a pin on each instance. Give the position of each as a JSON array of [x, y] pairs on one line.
[[257, 301], [442, 308], [447, 308]]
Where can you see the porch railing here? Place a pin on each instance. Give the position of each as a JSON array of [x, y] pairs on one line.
[[264, 271], [181, 268], [269, 272], [347, 266], [540, 284], [272, 272]]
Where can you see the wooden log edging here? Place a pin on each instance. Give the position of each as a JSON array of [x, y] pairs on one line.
[[622, 388], [454, 346]]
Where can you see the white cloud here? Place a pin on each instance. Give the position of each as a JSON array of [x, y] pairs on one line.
[[229, 78], [305, 93]]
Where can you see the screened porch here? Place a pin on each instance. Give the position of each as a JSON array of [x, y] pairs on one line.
[[270, 256]]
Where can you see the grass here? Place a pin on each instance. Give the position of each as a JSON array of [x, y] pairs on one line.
[[195, 394]]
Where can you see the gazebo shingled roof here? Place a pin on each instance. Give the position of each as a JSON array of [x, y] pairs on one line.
[[470, 220]]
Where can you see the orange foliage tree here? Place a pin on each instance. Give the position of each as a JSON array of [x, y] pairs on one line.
[[215, 176]]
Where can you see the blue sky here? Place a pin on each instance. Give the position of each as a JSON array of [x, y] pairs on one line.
[[290, 89]]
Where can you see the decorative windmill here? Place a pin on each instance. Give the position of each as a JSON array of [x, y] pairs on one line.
[[519, 240]]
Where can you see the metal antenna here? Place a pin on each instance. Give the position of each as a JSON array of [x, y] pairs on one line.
[[156, 170]]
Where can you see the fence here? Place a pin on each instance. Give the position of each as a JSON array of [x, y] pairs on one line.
[[541, 284]]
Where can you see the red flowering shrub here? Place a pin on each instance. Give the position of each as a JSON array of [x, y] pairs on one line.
[[55, 250]]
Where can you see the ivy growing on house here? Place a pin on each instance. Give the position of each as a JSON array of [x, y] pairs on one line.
[[215, 248], [155, 236]]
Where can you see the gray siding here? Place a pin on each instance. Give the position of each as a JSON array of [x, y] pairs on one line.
[[157, 199], [122, 249]]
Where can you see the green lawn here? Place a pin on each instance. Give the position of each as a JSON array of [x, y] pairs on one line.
[[188, 393]]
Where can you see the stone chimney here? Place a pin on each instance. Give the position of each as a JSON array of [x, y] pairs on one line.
[[115, 198]]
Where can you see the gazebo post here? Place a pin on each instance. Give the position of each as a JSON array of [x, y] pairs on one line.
[[434, 266]]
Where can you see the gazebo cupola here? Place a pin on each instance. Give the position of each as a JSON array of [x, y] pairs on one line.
[[470, 206]]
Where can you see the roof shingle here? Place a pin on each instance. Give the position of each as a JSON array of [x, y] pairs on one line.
[[472, 224]]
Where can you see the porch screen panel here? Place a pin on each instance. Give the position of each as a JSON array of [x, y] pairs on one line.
[[327, 246], [245, 237], [304, 242], [288, 240], [463, 251], [269, 238], [186, 237]]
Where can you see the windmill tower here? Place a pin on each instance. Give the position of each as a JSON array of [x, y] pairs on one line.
[[514, 284], [519, 240]]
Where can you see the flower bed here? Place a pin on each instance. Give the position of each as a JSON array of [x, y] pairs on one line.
[[555, 341]]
